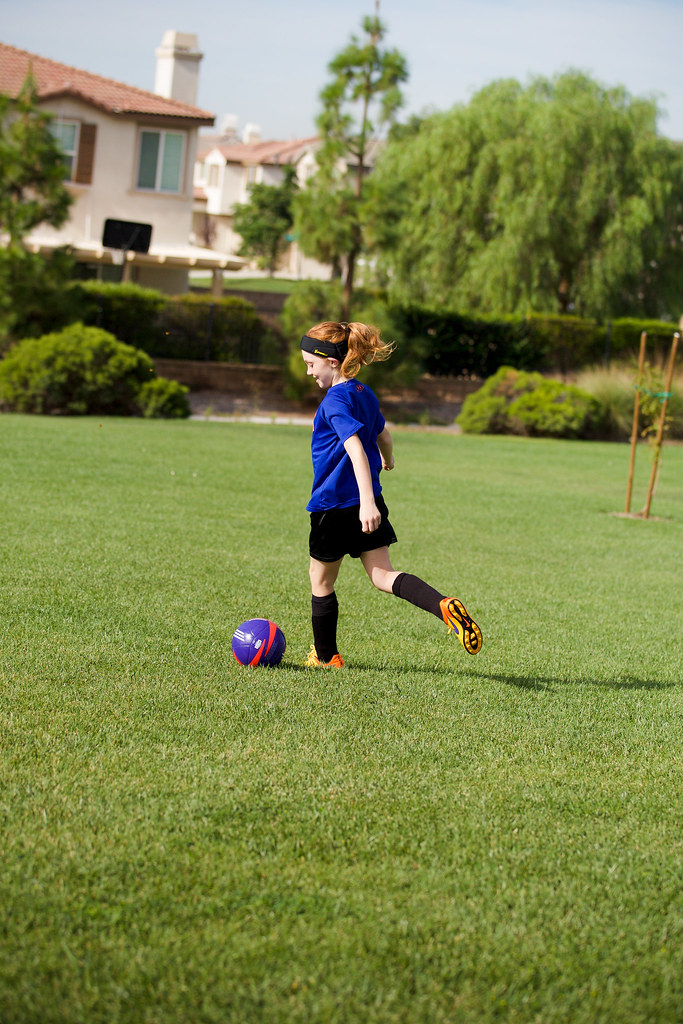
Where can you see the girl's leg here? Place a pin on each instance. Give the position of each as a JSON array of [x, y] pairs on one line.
[[324, 608], [377, 565], [417, 592], [323, 576]]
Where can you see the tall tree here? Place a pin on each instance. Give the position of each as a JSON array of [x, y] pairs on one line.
[[264, 222], [557, 197], [32, 192], [359, 103]]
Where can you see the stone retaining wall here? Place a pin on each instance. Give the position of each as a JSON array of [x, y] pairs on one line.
[[229, 378], [232, 386]]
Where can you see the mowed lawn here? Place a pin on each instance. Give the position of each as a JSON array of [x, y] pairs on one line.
[[423, 836]]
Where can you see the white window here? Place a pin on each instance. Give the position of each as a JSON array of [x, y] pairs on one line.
[[213, 176], [66, 134], [160, 162]]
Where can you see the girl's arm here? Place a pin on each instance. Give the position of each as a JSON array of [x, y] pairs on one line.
[[369, 514], [386, 449]]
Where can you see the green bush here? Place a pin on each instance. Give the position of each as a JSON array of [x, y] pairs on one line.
[[163, 399], [518, 402], [78, 370], [553, 409]]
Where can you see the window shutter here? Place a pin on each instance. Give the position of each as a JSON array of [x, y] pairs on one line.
[[86, 154]]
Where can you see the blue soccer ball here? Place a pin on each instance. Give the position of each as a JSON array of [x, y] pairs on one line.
[[258, 642]]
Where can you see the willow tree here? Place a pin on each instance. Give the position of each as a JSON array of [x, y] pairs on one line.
[[558, 197], [359, 104]]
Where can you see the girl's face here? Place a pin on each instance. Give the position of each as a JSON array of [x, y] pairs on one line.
[[325, 372]]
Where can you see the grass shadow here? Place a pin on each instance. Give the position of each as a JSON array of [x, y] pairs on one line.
[[543, 683], [550, 684], [359, 666]]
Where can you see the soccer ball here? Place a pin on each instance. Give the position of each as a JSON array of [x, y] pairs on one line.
[[258, 642]]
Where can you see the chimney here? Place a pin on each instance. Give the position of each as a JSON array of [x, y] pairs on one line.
[[251, 133], [228, 129], [177, 72]]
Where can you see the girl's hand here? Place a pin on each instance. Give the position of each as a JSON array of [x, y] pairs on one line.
[[369, 516], [386, 449]]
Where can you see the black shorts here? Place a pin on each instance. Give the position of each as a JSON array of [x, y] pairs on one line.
[[337, 532]]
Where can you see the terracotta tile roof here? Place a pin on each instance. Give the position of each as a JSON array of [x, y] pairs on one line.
[[53, 80], [254, 152]]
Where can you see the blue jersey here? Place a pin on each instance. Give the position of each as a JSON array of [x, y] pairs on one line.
[[348, 408]]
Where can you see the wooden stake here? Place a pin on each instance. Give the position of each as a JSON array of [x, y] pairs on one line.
[[662, 418], [636, 417]]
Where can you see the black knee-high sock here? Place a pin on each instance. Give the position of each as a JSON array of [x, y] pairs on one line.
[[324, 615], [419, 593]]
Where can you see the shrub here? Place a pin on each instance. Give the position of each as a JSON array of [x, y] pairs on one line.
[[163, 399], [78, 370], [553, 409], [517, 402]]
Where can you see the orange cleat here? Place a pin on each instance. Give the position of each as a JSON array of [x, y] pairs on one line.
[[313, 661], [458, 621]]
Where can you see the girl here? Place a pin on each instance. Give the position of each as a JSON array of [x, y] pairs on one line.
[[350, 446]]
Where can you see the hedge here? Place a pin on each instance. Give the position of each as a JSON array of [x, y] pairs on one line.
[[458, 345], [127, 311], [179, 327]]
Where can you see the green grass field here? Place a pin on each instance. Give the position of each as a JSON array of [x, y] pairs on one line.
[[422, 837], [252, 284]]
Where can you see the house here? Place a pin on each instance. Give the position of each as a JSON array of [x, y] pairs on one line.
[[129, 157], [226, 168]]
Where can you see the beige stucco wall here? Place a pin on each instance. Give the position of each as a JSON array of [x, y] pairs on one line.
[[113, 193]]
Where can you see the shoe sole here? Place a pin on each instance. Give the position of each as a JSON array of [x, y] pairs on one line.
[[467, 630]]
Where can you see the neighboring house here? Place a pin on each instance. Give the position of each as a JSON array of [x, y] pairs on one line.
[[129, 157], [225, 170]]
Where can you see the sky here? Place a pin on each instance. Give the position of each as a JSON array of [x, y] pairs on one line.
[[265, 61]]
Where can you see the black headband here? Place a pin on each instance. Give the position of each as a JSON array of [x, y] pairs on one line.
[[326, 349]]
